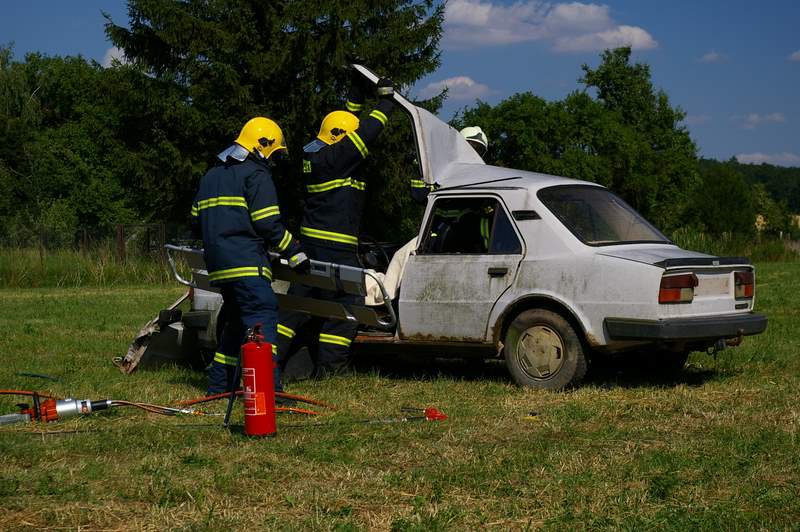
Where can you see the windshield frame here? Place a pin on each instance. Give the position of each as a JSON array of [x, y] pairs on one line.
[[570, 228]]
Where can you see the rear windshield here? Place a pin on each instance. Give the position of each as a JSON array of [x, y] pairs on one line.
[[598, 217]]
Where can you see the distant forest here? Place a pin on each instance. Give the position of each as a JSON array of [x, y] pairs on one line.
[[84, 147], [782, 183]]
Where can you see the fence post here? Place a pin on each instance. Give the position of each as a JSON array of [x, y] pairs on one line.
[[41, 249], [162, 240], [120, 242]]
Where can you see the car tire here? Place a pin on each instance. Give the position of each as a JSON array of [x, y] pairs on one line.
[[543, 351]]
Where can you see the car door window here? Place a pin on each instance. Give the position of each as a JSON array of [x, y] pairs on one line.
[[504, 239], [470, 226]]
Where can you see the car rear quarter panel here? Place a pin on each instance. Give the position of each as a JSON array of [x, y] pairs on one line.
[[590, 286]]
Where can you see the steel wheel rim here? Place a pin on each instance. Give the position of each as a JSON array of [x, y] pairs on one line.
[[540, 352]]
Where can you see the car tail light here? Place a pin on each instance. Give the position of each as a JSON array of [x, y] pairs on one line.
[[677, 288], [744, 285], [191, 293]]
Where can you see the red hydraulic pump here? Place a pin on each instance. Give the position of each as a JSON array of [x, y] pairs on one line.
[[258, 385]]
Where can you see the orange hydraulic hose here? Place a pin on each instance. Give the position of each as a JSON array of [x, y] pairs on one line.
[[223, 395], [25, 392], [304, 399]]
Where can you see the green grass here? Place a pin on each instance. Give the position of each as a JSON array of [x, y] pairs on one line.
[[62, 268], [758, 248], [718, 449]]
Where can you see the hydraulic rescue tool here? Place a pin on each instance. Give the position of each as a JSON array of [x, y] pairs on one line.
[[46, 408]]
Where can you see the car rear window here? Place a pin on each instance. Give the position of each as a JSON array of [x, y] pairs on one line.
[[598, 217]]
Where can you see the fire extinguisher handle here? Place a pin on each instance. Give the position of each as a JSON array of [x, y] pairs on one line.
[[254, 334]]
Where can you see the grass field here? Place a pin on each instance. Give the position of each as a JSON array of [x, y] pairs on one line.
[[718, 449]]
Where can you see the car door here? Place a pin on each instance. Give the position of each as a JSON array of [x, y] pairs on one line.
[[468, 256]]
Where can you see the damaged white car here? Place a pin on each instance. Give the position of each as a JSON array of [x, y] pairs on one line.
[[540, 270]]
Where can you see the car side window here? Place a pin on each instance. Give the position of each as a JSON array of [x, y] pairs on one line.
[[504, 239], [470, 226]]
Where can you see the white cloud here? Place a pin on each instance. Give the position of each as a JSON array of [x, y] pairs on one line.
[[632, 36], [114, 54], [779, 159], [697, 120], [713, 57], [567, 26], [750, 121], [795, 56], [459, 88]]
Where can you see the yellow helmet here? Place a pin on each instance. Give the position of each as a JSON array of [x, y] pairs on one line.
[[336, 125], [262, 136]]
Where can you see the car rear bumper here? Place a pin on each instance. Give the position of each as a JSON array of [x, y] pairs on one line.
[[700, 328]]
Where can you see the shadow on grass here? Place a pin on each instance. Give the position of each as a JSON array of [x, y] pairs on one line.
[[605, 374], [634, 376], [421, 368]]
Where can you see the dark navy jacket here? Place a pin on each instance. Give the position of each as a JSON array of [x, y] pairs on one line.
[[335, 191], [236, 209]]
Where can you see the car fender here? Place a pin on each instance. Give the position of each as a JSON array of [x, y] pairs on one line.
[[513, 302]]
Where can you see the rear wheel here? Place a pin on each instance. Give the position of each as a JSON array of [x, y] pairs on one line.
[[543, 351]]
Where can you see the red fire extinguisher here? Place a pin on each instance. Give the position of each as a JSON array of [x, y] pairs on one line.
[[258, 385]]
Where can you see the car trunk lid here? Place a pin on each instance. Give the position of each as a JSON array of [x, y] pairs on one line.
[[714, 290]]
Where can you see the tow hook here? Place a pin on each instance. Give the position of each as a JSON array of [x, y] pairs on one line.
[[735, 342], [723, 343]]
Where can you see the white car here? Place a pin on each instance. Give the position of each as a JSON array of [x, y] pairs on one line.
[[544, 271]]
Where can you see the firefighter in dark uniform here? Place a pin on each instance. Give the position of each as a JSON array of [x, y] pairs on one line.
[[236, 210], [332, 217]]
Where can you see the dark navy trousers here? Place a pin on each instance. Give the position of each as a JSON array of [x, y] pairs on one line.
[[335, 336], [248, 301]]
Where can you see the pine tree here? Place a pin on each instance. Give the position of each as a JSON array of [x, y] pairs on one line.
[[225, 61]]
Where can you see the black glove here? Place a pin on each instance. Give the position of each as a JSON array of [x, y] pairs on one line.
[[299, 262], [385, 88]]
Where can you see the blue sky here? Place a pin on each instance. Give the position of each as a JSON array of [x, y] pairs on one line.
[[733, 66]]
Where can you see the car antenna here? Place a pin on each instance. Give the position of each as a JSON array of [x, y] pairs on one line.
[[479, 183]]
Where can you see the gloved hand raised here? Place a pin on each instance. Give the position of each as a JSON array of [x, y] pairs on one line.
[[385, 88], [356, 92], [299, 262]]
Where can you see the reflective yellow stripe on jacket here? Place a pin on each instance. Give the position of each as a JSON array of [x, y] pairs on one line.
[[379, 116], [362, 148], [236, 273], [285, 331], [485, 231], [224, 359], [337, 183], [266, 212], [333, 339], [222, 201], [329, 235], [285, 241]]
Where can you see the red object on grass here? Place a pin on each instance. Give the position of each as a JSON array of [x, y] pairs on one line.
[[433, 414], [258, 387]]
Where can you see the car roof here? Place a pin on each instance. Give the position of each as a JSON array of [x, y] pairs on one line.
[[484, 176]]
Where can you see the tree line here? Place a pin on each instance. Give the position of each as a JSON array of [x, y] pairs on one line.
[[86, 146]]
